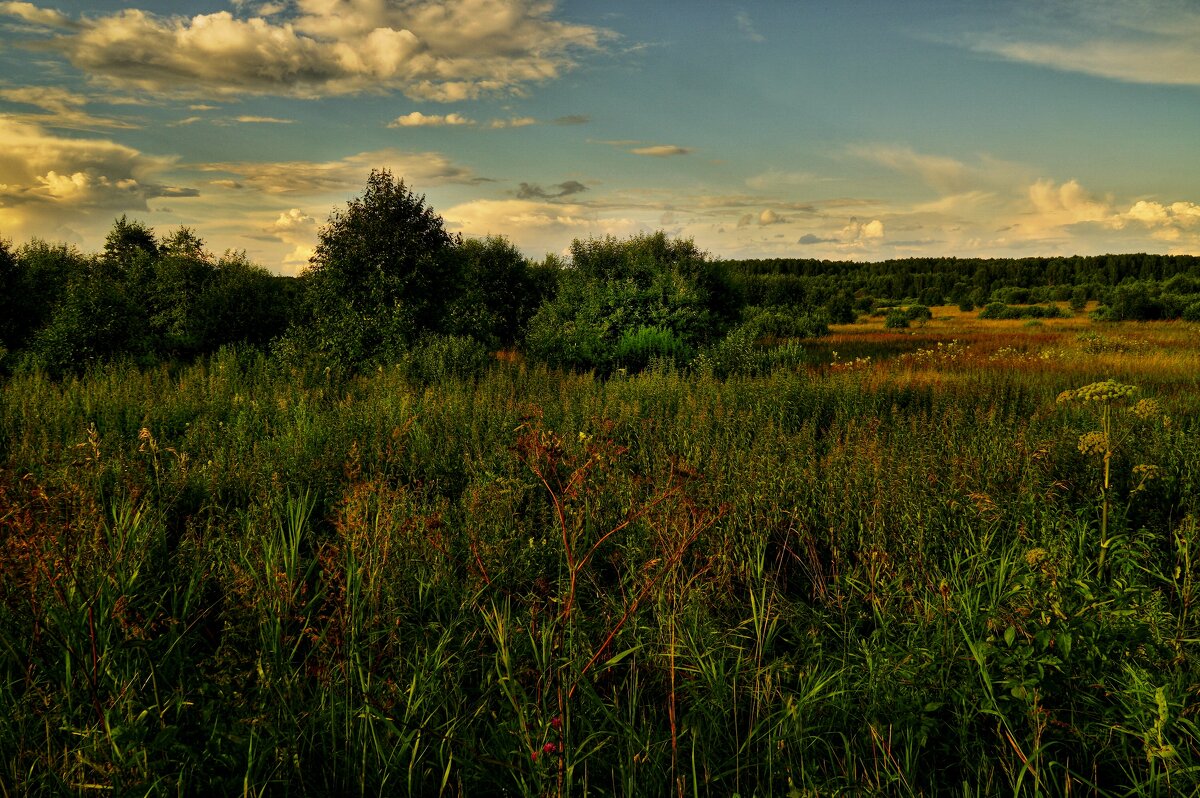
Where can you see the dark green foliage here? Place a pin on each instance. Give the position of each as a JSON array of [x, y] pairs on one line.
[[614, 290], [384, 272], [896, 319], [497, 292], [230, 577], [35, 287], [998, 310], [784, 323], [95, 321], [918, 313], [129, 244], [840, 308]]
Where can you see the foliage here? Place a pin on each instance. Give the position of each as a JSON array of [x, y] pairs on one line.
[[998, 310], [383, 274], [234, 576], [615, 289]]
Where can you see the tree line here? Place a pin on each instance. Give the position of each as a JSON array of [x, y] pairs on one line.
[[389, 283]]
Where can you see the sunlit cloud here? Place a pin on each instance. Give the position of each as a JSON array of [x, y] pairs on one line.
[[440, 51], [661, 150], [1152, 41], [263, 120], [537, 226], [60, 108], [34, 15], [418, 119], [517, 121], [311, 178]]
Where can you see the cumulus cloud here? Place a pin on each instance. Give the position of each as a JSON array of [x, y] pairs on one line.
[[537, 226], [428, 49], [857, 232], [418, 119], [769, 217], [516, 121], [310, 178], [37, 167], [1066, 203], [34, 15], [661, 150], [565, 189], [293, 220]]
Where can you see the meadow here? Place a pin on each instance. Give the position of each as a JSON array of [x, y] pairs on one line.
[[896, 562]]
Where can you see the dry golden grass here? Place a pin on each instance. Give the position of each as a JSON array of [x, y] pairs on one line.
[[1077, 346]]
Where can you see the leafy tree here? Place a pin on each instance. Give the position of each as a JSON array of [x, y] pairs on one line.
[[129, 242], [497, 292], [382, 274], [9, 283], [34, 288], [244, 303], [95, 321], [622, 303], [181, 276]]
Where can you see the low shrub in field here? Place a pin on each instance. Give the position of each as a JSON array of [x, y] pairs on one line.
[[998, 310], [896, 319]]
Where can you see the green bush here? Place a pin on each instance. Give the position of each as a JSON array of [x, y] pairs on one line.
[[896, 319]]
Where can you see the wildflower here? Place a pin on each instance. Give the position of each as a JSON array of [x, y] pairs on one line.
[[556, 723], [549, 748], [1092, 443]]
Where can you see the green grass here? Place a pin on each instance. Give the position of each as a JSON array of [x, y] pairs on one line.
[[878, 578]]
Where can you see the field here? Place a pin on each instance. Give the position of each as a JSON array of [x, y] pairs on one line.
[[895, 562]]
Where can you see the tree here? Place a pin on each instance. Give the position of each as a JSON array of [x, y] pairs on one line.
[[382, 274], [127, 241], [622, 303], [497, 294]]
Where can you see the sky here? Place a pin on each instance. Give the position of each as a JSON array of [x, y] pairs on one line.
[[853, 130]]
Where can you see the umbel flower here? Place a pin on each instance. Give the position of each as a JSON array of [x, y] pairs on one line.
[[1107, 391]]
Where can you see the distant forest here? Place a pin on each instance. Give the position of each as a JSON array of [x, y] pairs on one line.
[[389, 284]]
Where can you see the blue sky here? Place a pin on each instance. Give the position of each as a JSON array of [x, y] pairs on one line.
[[852, 130]]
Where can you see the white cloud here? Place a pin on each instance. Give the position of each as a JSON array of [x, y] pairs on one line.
[[1150, 41], [418, 119], [38, 167], [435, 50], [263, 120], [773, 178], [61, 108], [746, 26], [293, 220], [37, 16], [516, 121], [1067, 203], [312, 178], [539, 227], [661, 150], [857, 232], [769, 217]]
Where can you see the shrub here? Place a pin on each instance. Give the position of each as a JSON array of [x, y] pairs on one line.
[[895, 320], [918, 313]]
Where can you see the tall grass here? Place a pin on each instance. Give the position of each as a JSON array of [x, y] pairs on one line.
[[882, 577]]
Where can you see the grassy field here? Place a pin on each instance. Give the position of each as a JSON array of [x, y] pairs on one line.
[[899, 562]]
